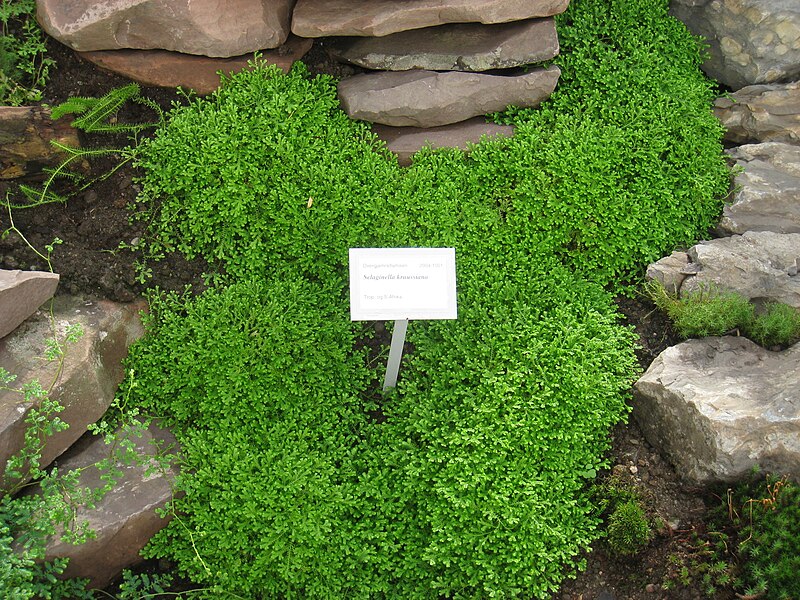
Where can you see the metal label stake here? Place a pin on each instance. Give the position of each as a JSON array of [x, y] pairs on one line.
[[395, 353]]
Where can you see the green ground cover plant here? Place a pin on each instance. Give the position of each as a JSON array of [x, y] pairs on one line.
[[713, 311], [471, 478], [24, 65], [758, 521]]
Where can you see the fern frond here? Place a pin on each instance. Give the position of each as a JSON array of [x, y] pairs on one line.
[[37, 197], [105, 107], [73, 106]]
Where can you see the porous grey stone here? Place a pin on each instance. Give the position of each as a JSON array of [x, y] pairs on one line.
[[126, 517], [761, 113], [459, 47], [21, 293], [320, 18], [206, 27], [719, 406], [84, 384], [767, 196], [755, 265], [751, 41], [669, 271], [406, 141], [431, 99]]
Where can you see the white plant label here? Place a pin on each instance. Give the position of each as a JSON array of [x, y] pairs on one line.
[[388, 284]]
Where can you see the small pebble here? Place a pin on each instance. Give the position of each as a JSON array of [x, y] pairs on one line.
[[633, 469], [651, 588]]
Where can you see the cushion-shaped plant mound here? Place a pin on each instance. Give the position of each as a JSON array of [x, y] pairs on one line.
[[467, 481], [471, 486]]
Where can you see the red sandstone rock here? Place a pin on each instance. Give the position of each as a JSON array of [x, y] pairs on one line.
[[206, 27], [86, 382], [21, 293], [405, 141], [198, 73], [319, 18], [457, 47], [430, 99]]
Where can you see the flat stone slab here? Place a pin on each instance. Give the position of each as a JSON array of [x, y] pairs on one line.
[[767, 196], [719, 406], [406, 141], [206, 27], [669, 271], [750, 41], [21, 294], [759, 265], [761, 113], [431, 99], [125, 519], [459, 47], [86, 382], [199, 73], [320, 18]]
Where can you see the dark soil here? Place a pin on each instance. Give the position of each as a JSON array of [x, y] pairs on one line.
[[94, 222]]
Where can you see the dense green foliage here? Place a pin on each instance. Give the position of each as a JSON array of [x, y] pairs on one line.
[[24, 66], [628, 529], [761, 519], [468, 480], [718, 312]]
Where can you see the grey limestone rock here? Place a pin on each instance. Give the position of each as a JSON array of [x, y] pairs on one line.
[[756, 264], [751, 41], [206, 27], [431, 99], [320, 18], [669, 271], [458, 47], [767, 196], [719, 406], [761, 113]]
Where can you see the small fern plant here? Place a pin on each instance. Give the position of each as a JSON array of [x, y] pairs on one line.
[[93, 115]]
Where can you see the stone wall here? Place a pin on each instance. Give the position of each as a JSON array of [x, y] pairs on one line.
[[717, 407], [424, 63]]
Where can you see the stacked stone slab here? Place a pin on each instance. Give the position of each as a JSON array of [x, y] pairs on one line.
[[83, 381], [172, 43], [429, 60], [449, 45], [717, 407]]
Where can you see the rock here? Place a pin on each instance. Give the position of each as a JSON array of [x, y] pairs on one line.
[[431, 99], [751, 41], [406, 141], [755, 264], [199, 73], [719, 406], [206, 27], [459, 47], [26, 136], [21, 293], [86, 382], [320, 18], [761, 113], [767, 196], [125, 519], [668, 271]]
